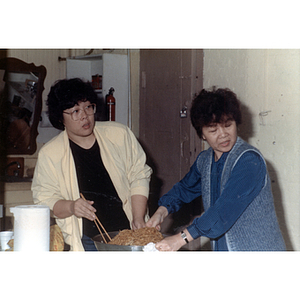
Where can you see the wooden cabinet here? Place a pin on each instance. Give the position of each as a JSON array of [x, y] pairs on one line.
[[114, 71], [14, 193]]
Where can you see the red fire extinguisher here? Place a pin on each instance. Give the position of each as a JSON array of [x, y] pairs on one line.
[[111, 105]]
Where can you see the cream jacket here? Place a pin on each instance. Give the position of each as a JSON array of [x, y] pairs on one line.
[[55, 174]]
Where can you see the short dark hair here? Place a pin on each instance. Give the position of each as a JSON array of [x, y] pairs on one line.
[[214, 106], [65, 94]]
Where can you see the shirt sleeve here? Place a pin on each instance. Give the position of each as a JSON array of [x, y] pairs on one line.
[[246, 181], [185, 191], [45, 187]]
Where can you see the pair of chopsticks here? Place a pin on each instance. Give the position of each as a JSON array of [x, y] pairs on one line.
[[97, 220]]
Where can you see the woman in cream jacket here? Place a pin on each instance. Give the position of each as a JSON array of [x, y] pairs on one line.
[[57, 178]]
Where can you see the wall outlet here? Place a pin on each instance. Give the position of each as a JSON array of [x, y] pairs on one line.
[[1, 211]]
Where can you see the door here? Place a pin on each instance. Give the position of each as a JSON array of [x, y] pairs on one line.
[[169, 81]]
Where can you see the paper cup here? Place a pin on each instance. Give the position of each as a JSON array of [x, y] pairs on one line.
[[5, 237]]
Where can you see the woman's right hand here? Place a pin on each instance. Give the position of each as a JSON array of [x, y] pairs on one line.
[[83, 209], [157, 218], [80, 208]]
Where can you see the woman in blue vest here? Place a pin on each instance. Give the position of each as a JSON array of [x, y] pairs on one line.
[[232, 178]]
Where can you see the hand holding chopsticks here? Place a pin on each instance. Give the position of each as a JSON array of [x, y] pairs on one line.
[[97, 220]]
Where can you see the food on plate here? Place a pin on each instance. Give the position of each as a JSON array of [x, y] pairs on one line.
[[138, 237]]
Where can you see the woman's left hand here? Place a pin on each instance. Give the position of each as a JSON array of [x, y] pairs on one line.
[[138, 223], [139, 208], [170, 243]]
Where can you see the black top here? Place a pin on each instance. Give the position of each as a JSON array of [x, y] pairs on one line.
[[95, 184]]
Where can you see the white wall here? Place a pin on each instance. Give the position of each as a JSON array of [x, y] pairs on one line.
[[267, 83]]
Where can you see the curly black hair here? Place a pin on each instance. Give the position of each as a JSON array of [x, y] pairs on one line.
[[214, 106], [65, 94]]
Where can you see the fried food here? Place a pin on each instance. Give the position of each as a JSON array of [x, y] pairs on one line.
[[11, 245], [138, 237], [56, 238]]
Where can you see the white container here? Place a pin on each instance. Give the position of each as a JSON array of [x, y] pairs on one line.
[[5, 237], [31, 228]]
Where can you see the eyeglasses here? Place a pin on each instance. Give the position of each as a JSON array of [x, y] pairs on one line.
[[77, 114]]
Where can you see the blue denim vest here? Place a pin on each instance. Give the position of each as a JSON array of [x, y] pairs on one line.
[[257, 229]]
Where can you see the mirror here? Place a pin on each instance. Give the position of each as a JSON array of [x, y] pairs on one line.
[[21, 87]]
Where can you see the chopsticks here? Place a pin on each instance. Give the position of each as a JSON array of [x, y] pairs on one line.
[[97, 220]]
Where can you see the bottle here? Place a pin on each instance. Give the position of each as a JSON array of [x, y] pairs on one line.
[[111, 105]]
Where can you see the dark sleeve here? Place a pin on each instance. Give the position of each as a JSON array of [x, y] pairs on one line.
[[246, 181], [185, 191]]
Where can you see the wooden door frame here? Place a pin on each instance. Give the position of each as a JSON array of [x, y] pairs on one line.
[[196, 145]]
